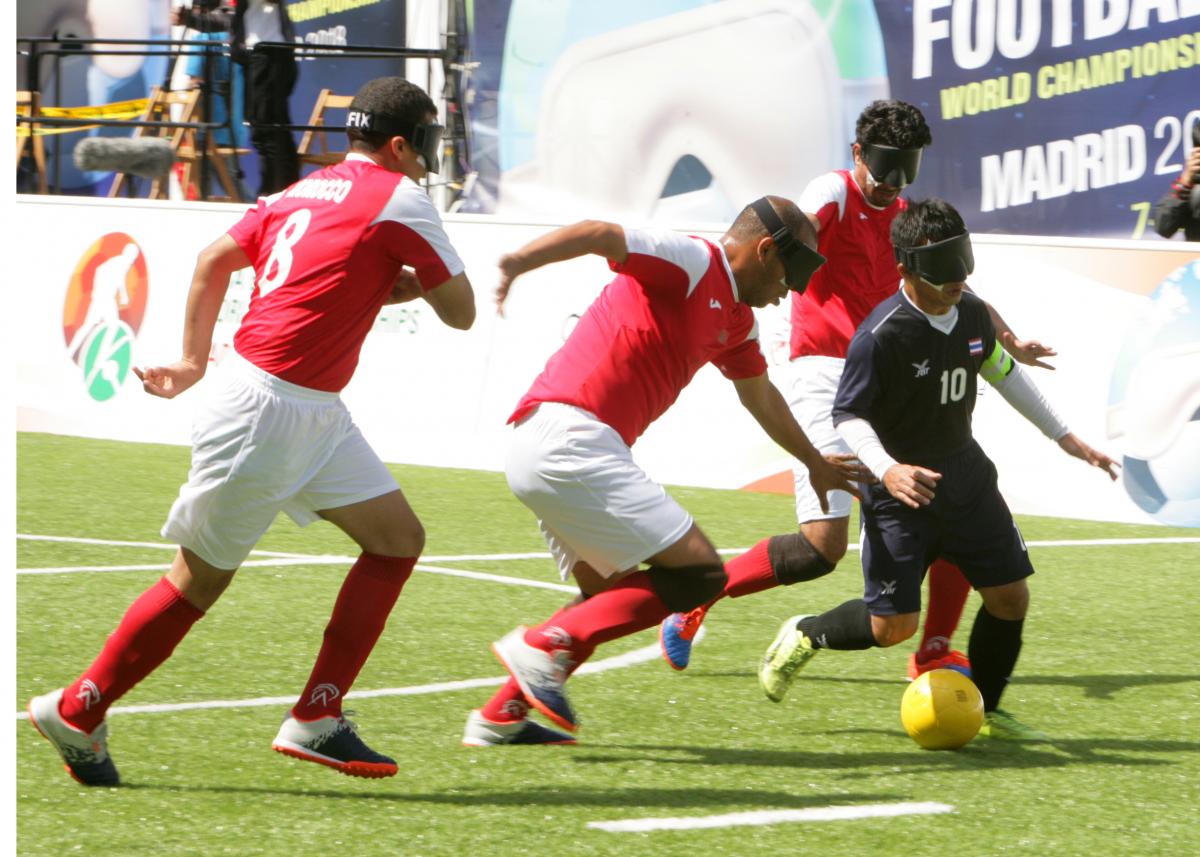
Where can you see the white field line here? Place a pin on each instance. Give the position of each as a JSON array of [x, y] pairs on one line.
[[772, 816], [168, 546], [637, 656], [325, 559], [313, 560], [165, 566], [121, 544]]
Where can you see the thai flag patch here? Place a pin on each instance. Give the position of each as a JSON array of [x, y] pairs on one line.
[[976, 346]]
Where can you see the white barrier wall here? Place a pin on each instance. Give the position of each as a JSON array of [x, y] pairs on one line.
[[101, 285]]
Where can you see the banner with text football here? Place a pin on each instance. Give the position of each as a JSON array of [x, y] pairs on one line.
[[1063, 117]]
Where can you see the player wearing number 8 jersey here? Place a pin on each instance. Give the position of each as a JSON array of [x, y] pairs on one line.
[[328, 252]]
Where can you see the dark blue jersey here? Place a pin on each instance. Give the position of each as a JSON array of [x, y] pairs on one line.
[[914, 383]]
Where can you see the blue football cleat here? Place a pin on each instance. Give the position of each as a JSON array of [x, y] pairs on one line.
[[676, 635]]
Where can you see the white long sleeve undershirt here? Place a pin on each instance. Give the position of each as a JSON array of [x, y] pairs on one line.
[[866, 445], [1018, 390]]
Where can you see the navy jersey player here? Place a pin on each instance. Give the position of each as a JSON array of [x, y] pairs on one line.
[[904, 406]]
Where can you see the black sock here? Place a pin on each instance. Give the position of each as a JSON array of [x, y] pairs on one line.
[[795, 559], [993, 650], [845, 627]]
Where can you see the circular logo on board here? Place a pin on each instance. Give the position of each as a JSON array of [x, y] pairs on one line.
[[103, 310]]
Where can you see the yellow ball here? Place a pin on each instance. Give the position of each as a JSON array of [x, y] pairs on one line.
[[942, 710]]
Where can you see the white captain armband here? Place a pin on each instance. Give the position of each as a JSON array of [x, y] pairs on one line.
[[866, 445], [1018, 390]]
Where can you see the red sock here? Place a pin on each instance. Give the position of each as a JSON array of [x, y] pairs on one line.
[[750, 572], [948, 591], [628, 607], [149, 631], [508, 705], [359, 614]]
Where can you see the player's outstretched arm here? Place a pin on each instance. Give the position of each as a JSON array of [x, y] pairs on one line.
[[1073, 446], [588, 237], [210, 281], [770, 410], [1018, 389], [454, 302], [1027, 351]]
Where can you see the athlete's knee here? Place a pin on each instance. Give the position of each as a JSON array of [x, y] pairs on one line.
[[685, 588], [1010, 601], [829, 538], [891, 630], [795, 559], [404, 539], [200, 582]]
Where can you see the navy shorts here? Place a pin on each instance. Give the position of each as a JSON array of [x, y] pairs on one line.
[[968, 523]]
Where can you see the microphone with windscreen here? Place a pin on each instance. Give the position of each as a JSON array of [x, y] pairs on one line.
[[148, 157]]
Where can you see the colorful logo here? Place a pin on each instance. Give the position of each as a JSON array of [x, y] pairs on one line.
[[103, 310]]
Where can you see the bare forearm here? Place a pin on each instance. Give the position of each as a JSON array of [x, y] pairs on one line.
[[589, 237], [998, 322], [769, 409], [203, 306], [210, 281]]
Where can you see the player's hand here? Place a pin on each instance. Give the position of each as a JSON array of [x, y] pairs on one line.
[[169, 381], [179, 16], [825, 476], [1027, 351], [911, 485], [406, 288], [849, 466], [510, 268], [1072, 445]]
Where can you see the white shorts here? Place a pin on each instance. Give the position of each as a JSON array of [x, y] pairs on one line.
[[261, 445], [593, 503], [811, 391]]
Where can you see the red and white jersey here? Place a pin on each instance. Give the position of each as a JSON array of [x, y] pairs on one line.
[[326, 252], [672, 308], [855, 237]]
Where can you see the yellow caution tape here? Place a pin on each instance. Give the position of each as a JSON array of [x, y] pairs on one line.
[[132, 109]]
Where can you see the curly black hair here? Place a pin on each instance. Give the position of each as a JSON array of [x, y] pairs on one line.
[[892, 123], [394, 97], [928, 221]]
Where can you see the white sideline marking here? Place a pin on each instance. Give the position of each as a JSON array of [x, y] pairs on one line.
[[497, 578], [772, 816], [250, 563], [120, 544], [637, 656], [1102, 543], [315, 560], [321, 559]]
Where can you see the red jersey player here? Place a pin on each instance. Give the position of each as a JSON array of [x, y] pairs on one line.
[[852, 211], [677, 303], [328, 252]]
